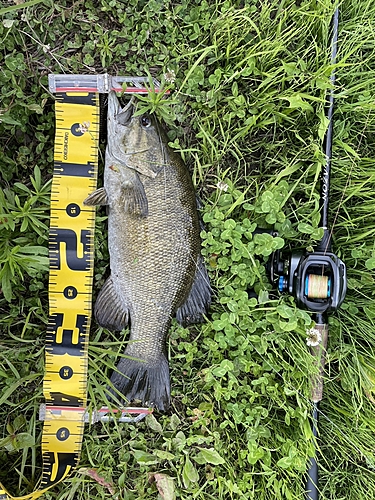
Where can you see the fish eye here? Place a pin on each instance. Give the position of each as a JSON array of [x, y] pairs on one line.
[[146, 121]]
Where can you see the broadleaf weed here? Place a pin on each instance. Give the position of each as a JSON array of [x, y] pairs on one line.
[[250, 82]]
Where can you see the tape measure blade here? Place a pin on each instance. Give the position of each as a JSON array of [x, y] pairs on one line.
[[70, 282]]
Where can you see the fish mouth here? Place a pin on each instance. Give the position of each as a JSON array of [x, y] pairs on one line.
[[118, 126], [118, 119], [126, 114], [118, 115]]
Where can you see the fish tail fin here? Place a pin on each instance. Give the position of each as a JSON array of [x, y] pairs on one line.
[[143, 380]]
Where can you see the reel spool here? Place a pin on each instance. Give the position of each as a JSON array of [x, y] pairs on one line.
[[317, 280], [317, 287]]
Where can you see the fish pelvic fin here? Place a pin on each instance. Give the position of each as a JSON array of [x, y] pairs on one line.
[[134, 196], [198, 300], [98, 197], [110, 311], [142, 380]]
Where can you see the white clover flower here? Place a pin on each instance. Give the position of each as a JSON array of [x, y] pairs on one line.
[[170, 76], [8, 23], [314, 337], [84, 127], [222, 186]]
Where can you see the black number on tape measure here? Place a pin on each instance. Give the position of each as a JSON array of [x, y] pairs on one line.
[[69, 237], [64, 460], [73, 210], [70, 292], [74, 169], [66, 372], [70, 342], [62, 434], [61, 399], [71, 98]]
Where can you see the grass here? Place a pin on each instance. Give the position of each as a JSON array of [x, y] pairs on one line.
[[250, 80]]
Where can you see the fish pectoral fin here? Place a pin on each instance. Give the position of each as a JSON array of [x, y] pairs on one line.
[[110, 311], [98, 197], [135, 199], [199, 298]]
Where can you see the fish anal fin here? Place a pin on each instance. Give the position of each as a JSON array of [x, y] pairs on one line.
[[98, 197], [134, 197], [199, 298], [110, 311]]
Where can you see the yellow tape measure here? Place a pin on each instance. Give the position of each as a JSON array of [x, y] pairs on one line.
[[71, 242], [70, 283]]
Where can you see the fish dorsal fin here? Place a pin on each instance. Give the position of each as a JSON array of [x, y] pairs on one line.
[[98, 197], [199, 298], [110, 311]]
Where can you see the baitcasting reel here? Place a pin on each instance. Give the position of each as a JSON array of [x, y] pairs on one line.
[[317, 279]]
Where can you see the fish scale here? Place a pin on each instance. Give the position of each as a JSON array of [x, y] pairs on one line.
[[136, 262]]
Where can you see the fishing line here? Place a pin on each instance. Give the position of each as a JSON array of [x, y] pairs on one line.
[[317, 286]]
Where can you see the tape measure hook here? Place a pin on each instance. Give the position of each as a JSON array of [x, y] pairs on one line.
[[123, 415], [102, 84]]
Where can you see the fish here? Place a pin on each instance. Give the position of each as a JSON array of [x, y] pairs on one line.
[[157, 270]]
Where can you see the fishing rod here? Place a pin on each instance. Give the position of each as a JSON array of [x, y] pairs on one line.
[[316, 279]]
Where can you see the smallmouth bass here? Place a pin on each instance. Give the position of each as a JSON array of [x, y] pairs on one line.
[[157, 271]]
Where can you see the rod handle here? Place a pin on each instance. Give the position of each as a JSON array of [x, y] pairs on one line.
[[320, 332]]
